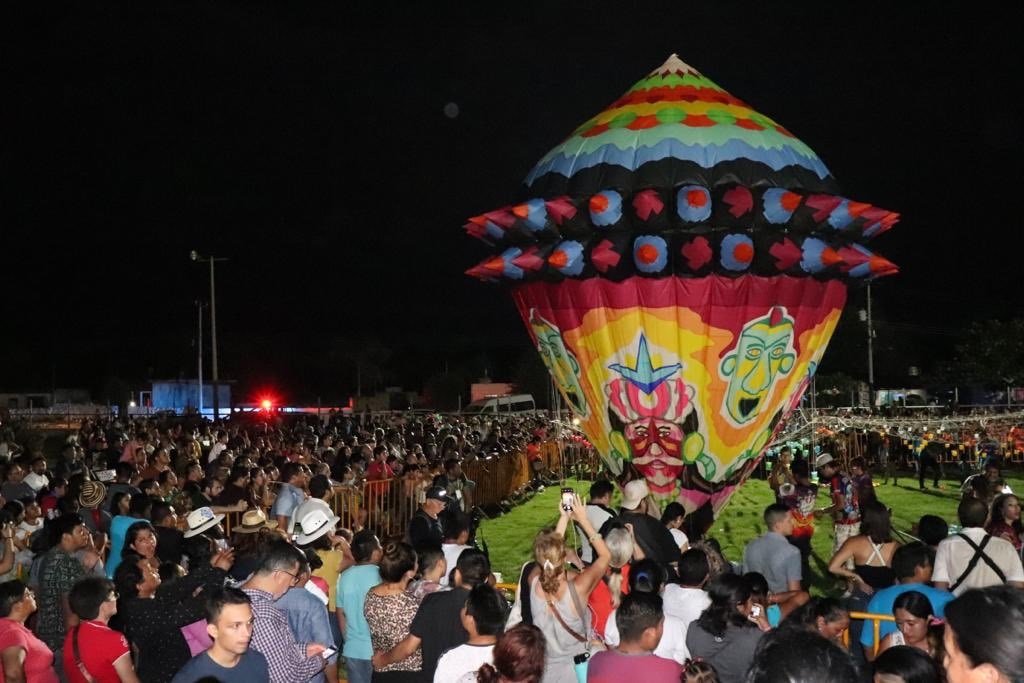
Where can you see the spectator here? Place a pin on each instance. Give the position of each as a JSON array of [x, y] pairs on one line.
[[781, 473], [353, 585], [24, 656], [519, 657], [140, 540], [913, 614], [307, 616], [289, 496], [672, 517], [320, 495], [933, 530], [650, 535], [608, 592], [912, 567], [726, 634], [15, 488], [598, 512], [787, 655], [425, 527], [862, 480], [647, 576], [378, 468], [229, 620], [92, 650], [60, 571], [433, 568], [558, 597], [31, 523], [287, 659], [641, 622], [772, 556], [1004, 520], [153, 614], [389, 611], [169, 538], [139, 509], [438, 624], [973, 558], [483, 617], [37, 478], [456, 536], [687, 599], [905, 664], [984, 630], [825, 617], [90, 500]]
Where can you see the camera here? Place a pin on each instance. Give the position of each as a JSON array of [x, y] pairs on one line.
[[567, 496]]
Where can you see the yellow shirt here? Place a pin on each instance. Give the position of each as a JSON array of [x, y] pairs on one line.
[[330, 572]]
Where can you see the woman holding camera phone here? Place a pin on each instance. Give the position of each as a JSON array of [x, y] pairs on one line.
[[558, 597]]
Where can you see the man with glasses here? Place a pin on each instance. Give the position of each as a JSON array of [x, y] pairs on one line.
[[229, 621], [287, 660], [60, 570]]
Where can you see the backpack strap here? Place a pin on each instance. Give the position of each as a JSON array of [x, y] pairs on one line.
[[979, 554], [78, 657]]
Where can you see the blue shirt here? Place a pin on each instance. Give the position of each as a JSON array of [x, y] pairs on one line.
[[118, 527], [288, 498], [882, 602], [251, 668], [353, 585], [308, 619]]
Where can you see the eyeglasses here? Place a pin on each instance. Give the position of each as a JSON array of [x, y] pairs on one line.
[[295, 577]]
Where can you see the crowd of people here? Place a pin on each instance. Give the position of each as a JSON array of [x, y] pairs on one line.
[[117, 567]]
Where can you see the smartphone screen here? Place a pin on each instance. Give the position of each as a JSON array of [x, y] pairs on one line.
[[328, 653], [567, 495]]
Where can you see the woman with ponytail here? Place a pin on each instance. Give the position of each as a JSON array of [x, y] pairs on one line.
[[615, 583], [558, 597], [518, 657]]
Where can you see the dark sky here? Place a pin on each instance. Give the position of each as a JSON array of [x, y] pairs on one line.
[[309, 145]]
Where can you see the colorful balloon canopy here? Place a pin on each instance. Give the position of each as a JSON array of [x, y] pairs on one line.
[[681, 262]]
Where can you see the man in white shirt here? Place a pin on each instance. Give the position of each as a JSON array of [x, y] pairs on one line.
[[456, 536], [598, 512], [483, 617], [973, 558], [37, 478], [219, 447], [687, 599]]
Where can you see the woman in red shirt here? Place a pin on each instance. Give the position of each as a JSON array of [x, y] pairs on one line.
[[609, 590], [25, 657]]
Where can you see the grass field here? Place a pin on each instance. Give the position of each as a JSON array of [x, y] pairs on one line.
[[510, 537]]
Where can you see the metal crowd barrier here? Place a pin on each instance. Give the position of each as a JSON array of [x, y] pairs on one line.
[[876, 624]]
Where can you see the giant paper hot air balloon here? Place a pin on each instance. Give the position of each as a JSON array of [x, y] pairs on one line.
[[681, 262]]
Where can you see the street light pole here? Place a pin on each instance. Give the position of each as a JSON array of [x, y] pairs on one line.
[[871, 350], [213, 329], [199, 346], [213, 343]]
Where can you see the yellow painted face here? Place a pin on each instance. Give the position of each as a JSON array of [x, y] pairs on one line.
[[763, 354]]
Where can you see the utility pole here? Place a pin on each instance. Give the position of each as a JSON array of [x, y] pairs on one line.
[[199, 346], [865, 317], [213, 328]]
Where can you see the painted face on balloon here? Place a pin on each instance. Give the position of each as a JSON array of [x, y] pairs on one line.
[[657, 451], [560, 363], [763, 354]]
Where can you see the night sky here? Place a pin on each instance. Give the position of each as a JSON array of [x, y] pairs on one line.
[[311, 145]]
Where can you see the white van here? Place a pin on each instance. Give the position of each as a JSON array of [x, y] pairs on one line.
[[493, 405]]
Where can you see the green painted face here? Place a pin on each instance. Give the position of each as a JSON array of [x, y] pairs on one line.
[[562, 365], [762, 355]]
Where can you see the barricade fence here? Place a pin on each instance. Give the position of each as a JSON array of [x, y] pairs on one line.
[[386, 506]]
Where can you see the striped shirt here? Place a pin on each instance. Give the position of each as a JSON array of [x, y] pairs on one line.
[[273, 638]]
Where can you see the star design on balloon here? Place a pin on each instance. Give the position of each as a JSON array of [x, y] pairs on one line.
[[645, 376]]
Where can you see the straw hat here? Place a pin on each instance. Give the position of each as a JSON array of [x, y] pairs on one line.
[[92, 494], [253, 521]]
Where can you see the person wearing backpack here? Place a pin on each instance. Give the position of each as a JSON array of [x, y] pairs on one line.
[[974, 558]]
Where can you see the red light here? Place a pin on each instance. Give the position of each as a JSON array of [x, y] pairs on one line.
[[266, 404]]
